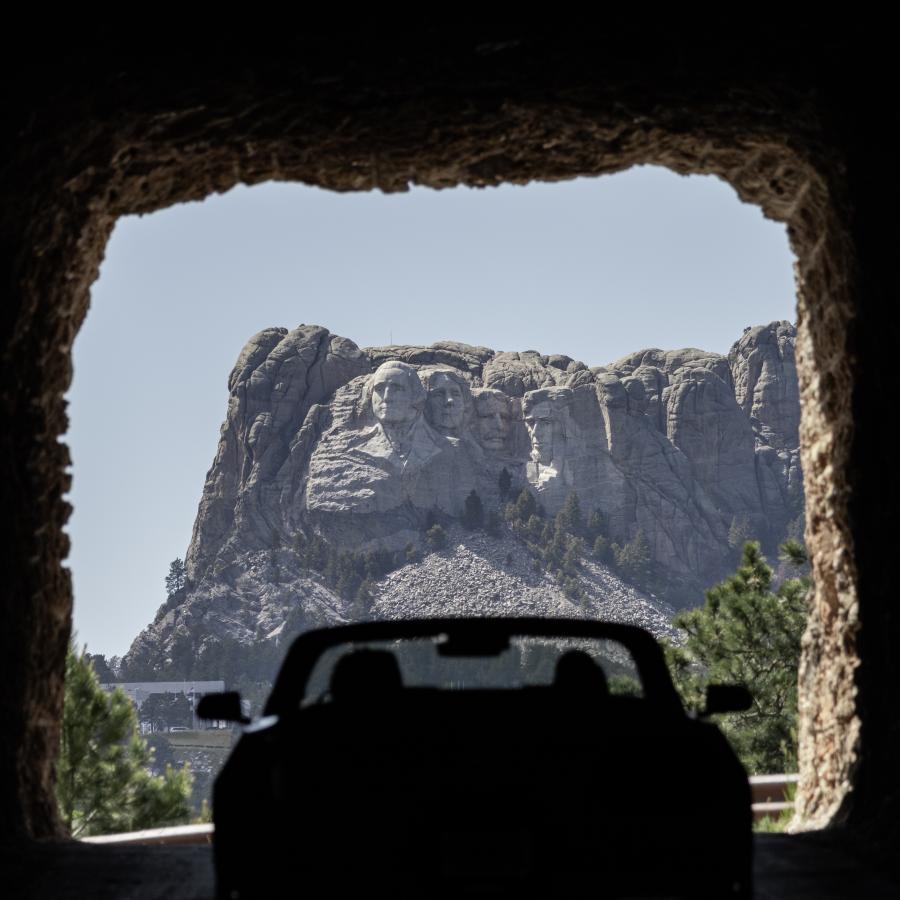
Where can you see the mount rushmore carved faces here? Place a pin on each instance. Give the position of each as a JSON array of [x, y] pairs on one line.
[[547, 419], [493, 415], [448, 401], [402, 436], [397, 394]]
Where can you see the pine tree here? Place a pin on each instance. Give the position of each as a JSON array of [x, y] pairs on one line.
[[747, 634], [569, 517], [105, 674], [103, 784], [183, 655], [633, 560], [175, 580], [473, 516], [523, 509], [596, 525], [573, 555], [162, 711], [602, 551]]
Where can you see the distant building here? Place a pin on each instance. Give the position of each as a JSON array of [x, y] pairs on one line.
[[139, 691]]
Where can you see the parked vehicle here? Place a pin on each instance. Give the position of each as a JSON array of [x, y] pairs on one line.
[[373, 768]]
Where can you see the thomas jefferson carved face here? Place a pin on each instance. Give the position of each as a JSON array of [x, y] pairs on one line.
[[493, 418], [445, 408], [397, 394]]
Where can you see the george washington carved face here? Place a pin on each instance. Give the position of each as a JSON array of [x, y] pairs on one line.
[[397, 394]]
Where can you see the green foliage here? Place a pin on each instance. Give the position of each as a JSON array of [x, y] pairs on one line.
[[523, 509], [596, 525], [569, 519], [473, 515], [624, 686], [633, 560], [346, 572], [775, 824], [103, 782], [163, 755], [204, 817], [162, 711], [105, 674], [183, 653], [747, 634], [793, 552], [556, 545], [175, 580], [602, 551], [436, 537], [141, 666]]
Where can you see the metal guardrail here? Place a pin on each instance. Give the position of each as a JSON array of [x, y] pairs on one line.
[[767, 792], [177, 834], [769, 795]]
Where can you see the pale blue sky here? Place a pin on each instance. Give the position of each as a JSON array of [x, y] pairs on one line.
[[593, 268]]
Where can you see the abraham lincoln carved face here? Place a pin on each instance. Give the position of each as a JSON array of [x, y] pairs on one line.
[[547, 418]]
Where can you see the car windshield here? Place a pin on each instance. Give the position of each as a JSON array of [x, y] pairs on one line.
[[526, 662]]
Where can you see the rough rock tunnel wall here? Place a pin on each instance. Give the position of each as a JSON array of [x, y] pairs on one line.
[[93, 134]]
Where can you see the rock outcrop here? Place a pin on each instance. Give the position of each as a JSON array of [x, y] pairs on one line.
[[368, 447], [265, 596]]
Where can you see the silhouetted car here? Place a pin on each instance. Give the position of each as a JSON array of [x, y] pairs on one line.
[[374, 781]]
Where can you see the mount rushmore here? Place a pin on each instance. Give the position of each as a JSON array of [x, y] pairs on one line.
[[366, 447]]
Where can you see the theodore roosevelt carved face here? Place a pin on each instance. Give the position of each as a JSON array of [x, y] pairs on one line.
[[492, 418]]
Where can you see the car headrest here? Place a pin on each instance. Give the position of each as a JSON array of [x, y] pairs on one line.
[[365, 673], [576, 671]]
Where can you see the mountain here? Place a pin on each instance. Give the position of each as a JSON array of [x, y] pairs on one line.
[[333, 463]]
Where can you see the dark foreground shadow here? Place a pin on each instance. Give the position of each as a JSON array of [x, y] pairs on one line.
[[558, 789], [786, 867]]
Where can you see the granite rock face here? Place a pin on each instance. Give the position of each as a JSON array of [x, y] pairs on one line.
[[278, 377], [367, 447]]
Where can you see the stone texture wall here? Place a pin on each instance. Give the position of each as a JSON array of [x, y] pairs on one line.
[[100, 129]]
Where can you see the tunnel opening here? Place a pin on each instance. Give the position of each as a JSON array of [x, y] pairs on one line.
[[771, 154], [595, 269]]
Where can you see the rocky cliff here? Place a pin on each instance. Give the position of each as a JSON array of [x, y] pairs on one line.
[[367, 448]]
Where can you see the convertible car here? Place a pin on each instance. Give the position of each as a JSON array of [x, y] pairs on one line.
[[480, 757]]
